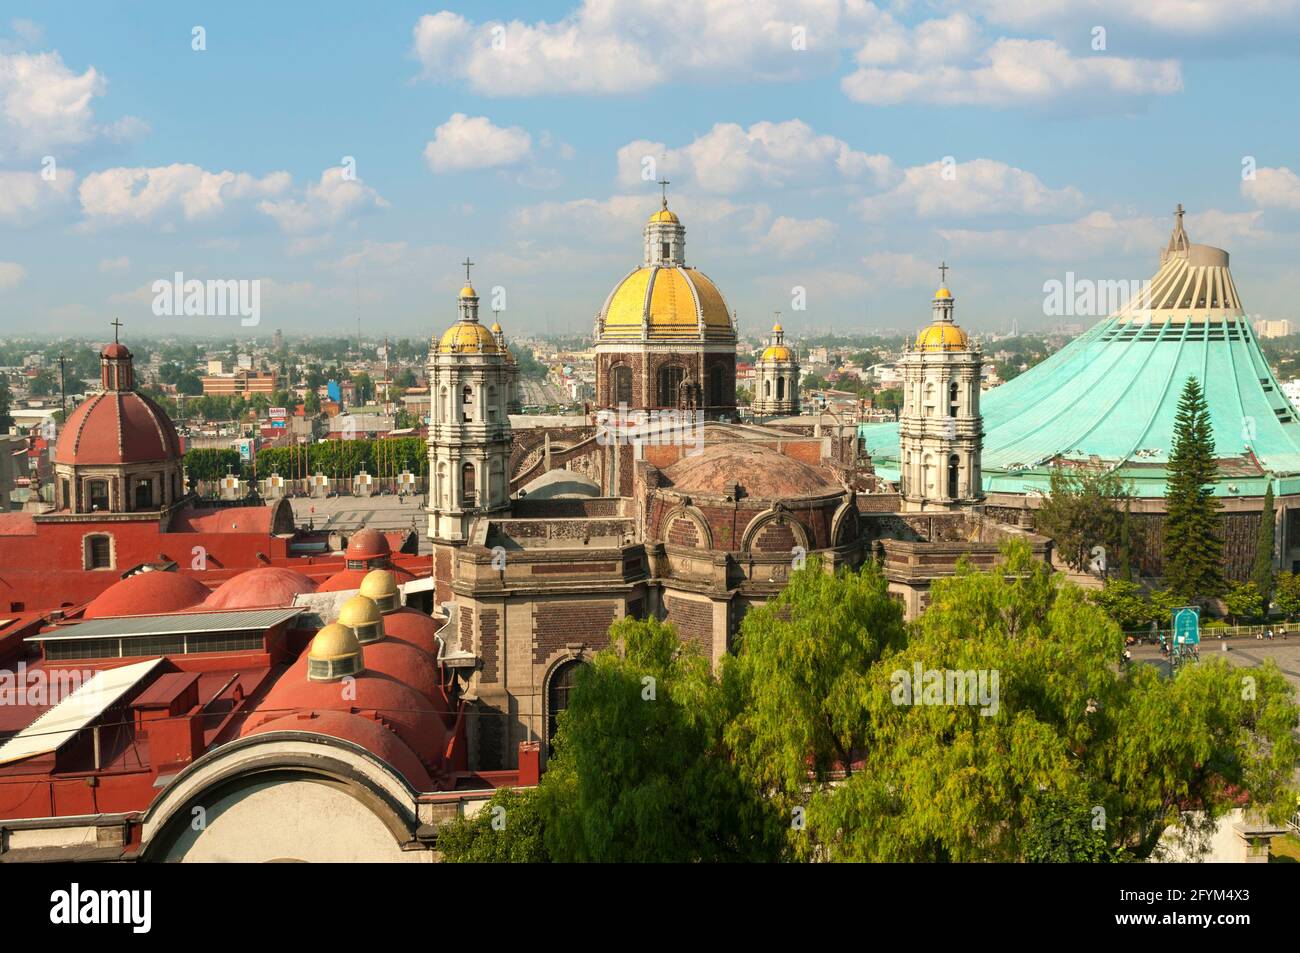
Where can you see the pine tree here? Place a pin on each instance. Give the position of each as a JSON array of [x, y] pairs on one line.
[[1261, 574], [1193, 549]]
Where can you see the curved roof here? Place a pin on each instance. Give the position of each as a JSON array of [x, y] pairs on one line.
[[366, 732], [468, 337], [147, 593], [368, 544], [561, 484], [413, 627], [663, 215], [777, 352], [671, 300], [942, 336], [260, 588], [763, 473], [1110, 396], [117, 427]]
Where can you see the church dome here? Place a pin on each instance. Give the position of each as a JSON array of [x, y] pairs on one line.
[[942, 336], [763, 473], [671, 301], [117, 427], [467, 337], [260, 588], [380, 586], [147, 593], [334, 653], [362, 616], [664, 215], [777, 352]]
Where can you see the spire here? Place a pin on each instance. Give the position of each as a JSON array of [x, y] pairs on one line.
[[468, 299], [116, 370], [664, 183], [1178, 240]]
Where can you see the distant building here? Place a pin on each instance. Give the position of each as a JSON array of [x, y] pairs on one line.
[[241, 383], [1272, 329]]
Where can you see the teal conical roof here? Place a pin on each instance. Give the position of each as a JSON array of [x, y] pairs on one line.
[[1111, 395]]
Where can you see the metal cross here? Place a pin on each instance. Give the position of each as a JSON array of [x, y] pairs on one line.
[[467, 263], [665, 183], [116, 324], [943, 272]]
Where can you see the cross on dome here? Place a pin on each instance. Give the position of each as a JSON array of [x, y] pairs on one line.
[[468, 264], [943, 271], [664, 183], [116, 324]]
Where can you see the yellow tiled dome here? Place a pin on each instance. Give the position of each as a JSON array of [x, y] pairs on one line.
[[663, 215], [942, 336], [777, 352], [468, 337], [942, 293], [334, 642], [670, 299], [468, 292]]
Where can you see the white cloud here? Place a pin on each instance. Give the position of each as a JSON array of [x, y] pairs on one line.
[[11, 275], [47, 108], [899, 269], [141, 195], [465, 142], [1189, 17], [26, 197], [337, 197], [115, 264], [978, 187], [619, 46], [729, 158], [1015, 72], [791, 237], [1273, 188]]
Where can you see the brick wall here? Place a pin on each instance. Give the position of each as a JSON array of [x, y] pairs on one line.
[[693, 621], [466, 629], [488, 637], [556, 624]]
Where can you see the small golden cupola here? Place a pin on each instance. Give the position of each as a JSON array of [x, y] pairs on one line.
[[380, 586], [468, 335], [363, 617], [334, 653], [942, 334]]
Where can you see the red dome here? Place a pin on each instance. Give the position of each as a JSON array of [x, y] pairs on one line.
[[260, 588], [147, 593], [117, 427], [346, 579], [368, 544], [117, 350], [413, 627], [408, 665], [403, 708], [360, 730]]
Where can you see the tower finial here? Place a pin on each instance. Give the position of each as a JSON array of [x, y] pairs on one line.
[[116, 324], [468, 264], [943, 272], [664, 183]]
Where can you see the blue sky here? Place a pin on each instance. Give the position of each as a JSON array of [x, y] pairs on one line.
[[516, 134]]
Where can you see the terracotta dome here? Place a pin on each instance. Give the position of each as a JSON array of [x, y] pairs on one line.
[[260, 588], [413, 627], [360, 730], [147, 593], [763, 473], [117, 427], [368, 544], [116, 351], [402, 707]]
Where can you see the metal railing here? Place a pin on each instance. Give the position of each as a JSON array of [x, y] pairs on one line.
[[1223, 631]]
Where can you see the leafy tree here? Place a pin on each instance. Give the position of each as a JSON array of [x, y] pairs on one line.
[[967, 782], [6, 401], [42, 384], [1261, 573], [1163, 604], [312, 402], [1125, 603], [1086, 508], [1244, 601], [513, 834], [1193, 549], [211, 464], [890, 399], [1286, 594], [639, 771], [1065, 831], [799, 677]]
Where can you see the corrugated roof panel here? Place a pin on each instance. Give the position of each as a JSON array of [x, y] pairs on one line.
[[59, 724], [178, 623]]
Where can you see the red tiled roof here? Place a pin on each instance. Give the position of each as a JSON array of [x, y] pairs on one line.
[[117, 427]]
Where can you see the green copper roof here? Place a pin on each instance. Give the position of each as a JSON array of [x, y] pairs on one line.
[[1111, 396]]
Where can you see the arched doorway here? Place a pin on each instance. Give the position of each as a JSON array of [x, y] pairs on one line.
[[558, 692]]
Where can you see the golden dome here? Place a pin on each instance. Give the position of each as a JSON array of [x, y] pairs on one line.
[[468, 292], [671, 299], [379, 584], [942, 293], [468, 337], [359, 610], [663, 215], [777, 352], [496, 327], [334, 642], [777, 329], [942, 336]]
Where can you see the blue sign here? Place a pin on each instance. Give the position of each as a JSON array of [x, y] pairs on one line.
[[1187, 625], [334, 391]]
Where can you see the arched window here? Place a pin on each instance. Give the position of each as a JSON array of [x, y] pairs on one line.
[[492, 404], [954, 467], [622, 385], [467, 403], [780, 388], [767, 388], [467, 485], [952, 399], [563, 680], [65, 491], [144, 495], [442, 407], [670, 382]]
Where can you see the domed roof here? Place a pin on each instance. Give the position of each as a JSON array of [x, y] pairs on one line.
[[414, 628], [670, 300], [942, 336], [365, 732], [468, 292], [359, 610], [763, 473], [942, 294], [777, 352], [346, 579], [117, 427], [381, 586], [468, 337], [260, 588], [147, 593], [333, 642], [663, 215], [116, 351], [368, 544]]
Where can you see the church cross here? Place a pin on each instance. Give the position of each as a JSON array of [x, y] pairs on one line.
[[943, 272], [664, 183], [116, 324], [467, 263]]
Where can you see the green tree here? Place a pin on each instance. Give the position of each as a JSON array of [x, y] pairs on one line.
[[507, 829], [799, 676], [1064, 831], [1261, 574], [639, 771], [1124, 602], [1193, 549], [6, 401], [43, 384], [1286, 594], [1244, 601], [1084, 509]]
